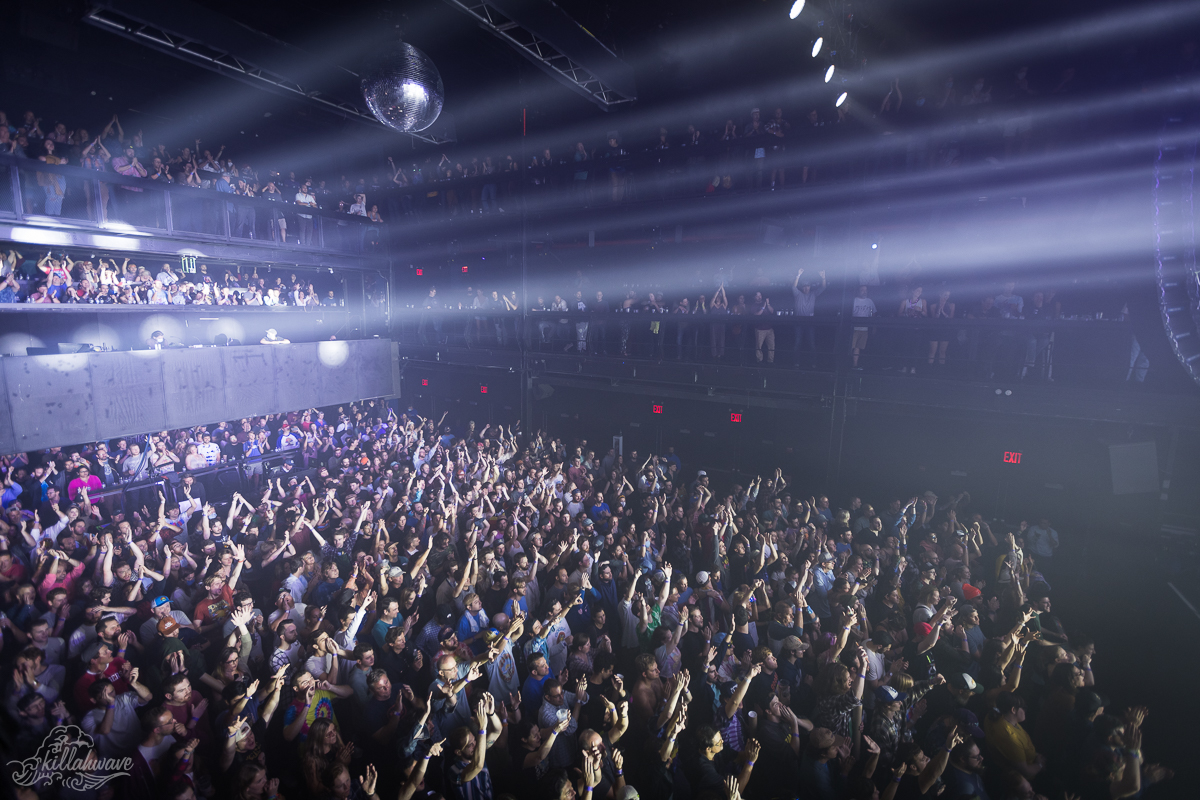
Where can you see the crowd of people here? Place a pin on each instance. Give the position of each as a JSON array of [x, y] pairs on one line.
[[128, 155], [414, 609], [744, 317], [87, 278], [936, 123]]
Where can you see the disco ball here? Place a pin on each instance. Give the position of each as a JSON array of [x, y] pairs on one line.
[[404, 90]]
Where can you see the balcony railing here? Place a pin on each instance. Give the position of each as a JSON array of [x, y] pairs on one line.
[[47, 194], [1086, 352]]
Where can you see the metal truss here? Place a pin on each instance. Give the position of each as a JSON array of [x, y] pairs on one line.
[[1175, 235], [217, 60], [543, 53]]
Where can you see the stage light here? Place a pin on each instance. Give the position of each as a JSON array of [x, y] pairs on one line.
[[841, 99], [875, 246], [797, 7], [829, 73], [817, 46]]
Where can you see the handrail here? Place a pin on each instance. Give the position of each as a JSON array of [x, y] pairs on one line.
[[148, 184]]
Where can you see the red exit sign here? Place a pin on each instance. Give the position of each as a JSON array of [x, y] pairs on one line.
[[464, 269], [424, 381], [1012, 458], [420, 271], [735, 417], [655, 409], [483, 389]]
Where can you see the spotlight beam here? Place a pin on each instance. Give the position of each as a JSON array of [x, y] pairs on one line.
[[1098, 30]]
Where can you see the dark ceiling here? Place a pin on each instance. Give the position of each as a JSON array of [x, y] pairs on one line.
[[702, 59]]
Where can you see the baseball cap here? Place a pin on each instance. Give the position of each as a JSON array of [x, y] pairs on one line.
[[962, 682], [827, 556], [968, 721], [922, 629], [886, 694], [160, 601], [445, 633], [970, 592], [629, 793], [395, 572], [701, 578], [167, 625], [701, 474]]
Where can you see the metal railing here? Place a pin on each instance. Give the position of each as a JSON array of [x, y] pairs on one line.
[[106, 201], [1081, 351], [220, 481]]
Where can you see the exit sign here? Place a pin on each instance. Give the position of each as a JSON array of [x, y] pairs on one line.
[[420, 271], [735, 416], [655, 409], [424, 381], [483, 389], [464, 269], [1012, 458]]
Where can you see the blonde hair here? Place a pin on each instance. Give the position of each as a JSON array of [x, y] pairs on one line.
[[902, 682]]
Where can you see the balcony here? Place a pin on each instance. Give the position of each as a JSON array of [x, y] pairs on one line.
[[52, 205]]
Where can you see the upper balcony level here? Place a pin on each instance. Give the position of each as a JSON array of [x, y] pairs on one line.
[[63, 206]]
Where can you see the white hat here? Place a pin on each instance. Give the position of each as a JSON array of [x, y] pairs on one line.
[[701, 578]]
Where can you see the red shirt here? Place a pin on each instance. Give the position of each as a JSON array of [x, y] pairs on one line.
[[112, 673], [215, 609]]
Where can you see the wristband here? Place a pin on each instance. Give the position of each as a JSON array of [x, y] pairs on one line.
[[864, 677], [620, 772], [427, 756], [749, 763], [896, 780], [483, 732], [1087, 669], [1134, 753], [947, 749]]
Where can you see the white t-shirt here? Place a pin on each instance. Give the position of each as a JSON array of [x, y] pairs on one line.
[[303, 197], [154, 754], [875, 665], [126, 730], [863, 307], [558, 641], [502, 673]]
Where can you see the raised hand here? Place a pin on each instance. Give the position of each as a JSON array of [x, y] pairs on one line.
[[481, 714], [368, 780]]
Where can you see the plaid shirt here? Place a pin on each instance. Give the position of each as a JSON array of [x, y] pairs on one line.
[[478, 788]]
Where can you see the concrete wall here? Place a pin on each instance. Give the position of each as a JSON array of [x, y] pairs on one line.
[[60, 400]]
